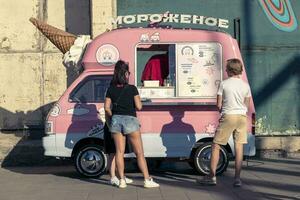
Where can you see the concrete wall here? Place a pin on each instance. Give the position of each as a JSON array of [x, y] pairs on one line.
[[102, 12], [32, 76]]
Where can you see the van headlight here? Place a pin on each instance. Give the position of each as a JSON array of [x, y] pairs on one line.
[[49, 128], [55, 110]]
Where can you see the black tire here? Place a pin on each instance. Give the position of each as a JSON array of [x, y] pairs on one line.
[[153, 164], [90, 160], [192, 164], [202, 159]]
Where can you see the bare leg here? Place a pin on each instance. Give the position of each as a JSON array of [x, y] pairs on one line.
[[120, 149], [215, 153], [112, 165], [238, 159], [136, 141]]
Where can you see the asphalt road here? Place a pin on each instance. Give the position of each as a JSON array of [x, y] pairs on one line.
[[262, 179]]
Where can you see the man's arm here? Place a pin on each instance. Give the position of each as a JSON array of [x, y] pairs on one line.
[[219, 97], [247, 102], [219, 102], [247, 98]]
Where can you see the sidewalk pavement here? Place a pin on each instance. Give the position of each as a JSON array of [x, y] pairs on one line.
[[262, 179]]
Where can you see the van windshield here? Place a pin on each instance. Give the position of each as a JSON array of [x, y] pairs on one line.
[[180, 70], [91, 90]]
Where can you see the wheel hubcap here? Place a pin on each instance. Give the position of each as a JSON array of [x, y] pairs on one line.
[[204, 159], [91, 161]]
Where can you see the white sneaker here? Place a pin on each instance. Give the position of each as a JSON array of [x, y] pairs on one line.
[[149, 183], [114, 181], [122, 183], [128, 180]]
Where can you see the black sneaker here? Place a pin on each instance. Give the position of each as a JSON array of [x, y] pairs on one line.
[[237, 183], [207, 180]]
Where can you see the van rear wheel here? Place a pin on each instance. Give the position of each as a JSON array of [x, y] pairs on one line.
[[90, 160], [202, 159], [192, 164]]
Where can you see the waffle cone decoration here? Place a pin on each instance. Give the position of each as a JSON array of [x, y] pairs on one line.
[[61, 39]]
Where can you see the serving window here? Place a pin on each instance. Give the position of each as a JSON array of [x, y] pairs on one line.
[[179, 70]]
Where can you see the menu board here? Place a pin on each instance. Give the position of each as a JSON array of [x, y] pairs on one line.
[[198, 69]]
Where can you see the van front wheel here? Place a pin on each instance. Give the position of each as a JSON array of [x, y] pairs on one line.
[[202, 159], [90, 160]]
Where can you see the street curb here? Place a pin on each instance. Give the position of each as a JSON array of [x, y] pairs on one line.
[[278, 147]]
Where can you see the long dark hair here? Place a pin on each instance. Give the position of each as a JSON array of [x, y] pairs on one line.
[[119, 78]]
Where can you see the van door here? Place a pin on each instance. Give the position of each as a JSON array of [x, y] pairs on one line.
[[84, 104]]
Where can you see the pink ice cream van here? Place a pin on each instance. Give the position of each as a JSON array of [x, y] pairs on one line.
[[177, 73]]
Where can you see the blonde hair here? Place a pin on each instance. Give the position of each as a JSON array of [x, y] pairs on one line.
[[234, 67]]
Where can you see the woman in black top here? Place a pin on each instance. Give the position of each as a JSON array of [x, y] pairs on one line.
[[125, 100]]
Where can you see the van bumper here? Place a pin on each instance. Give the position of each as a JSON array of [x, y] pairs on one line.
[[49, 144]]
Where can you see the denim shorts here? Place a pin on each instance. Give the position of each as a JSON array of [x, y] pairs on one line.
[[124, 124]]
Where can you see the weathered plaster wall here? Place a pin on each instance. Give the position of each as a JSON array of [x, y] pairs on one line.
[[102, 12], [31, 72]]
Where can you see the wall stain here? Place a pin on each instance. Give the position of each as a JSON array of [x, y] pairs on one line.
[[262, 128], [5, 43]]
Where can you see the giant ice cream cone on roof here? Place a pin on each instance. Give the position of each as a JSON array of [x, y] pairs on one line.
[[61, 39]]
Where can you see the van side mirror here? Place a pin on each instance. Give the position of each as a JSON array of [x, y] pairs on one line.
[[74, 99]]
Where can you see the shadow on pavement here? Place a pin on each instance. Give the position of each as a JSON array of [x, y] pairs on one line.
[[285, 161], [281, 186], [274, 171], [173, 176]]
